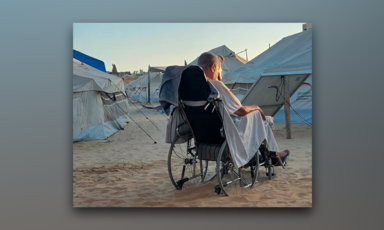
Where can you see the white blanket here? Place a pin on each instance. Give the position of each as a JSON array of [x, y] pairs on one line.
[[244, 134]]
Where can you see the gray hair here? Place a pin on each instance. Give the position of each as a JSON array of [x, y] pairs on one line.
[[207, 59]]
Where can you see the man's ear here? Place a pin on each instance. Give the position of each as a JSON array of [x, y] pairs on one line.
[[213, 67]]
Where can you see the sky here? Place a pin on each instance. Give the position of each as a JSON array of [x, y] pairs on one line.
[[134, 46]]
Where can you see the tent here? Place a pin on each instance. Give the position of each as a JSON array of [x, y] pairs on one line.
[[301, 102], [100, 107], [91, 61], [137, 89], [291, 56], [232, 61]]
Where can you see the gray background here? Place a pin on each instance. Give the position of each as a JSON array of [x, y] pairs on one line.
[[36, 99]]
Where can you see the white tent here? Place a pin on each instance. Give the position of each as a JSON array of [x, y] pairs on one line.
[[100, 107], [137, 89], [301, 102], [232, 61], [291, 56]]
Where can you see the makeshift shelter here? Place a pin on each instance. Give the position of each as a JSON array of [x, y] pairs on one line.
[[137, 89], [100, 107], [91, 61], [146, 88], [291, 57]]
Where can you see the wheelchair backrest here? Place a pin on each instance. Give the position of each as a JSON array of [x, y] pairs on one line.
[[205, 123]]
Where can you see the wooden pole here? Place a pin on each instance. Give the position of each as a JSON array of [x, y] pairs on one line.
[[149, 85], [287, 108]]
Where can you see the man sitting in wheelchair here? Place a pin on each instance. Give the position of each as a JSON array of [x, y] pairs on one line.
[[211, 65], [209, 123]]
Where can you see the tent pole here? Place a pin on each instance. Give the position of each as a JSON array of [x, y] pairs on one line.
[[287, 107], [149, 84]]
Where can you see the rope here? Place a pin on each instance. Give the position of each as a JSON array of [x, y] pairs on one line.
[[157, 108], [288, 102], [134, 105], [127, 112], [131, 119], [136, 92], [142, 129], [146, 100]]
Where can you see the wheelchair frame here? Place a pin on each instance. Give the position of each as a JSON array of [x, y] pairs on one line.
[[185, 166]]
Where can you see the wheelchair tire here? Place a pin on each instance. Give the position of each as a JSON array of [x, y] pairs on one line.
[[255, 170], [180, 163], [270, 176], [233, 180]]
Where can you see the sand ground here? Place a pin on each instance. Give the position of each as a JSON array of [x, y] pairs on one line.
[[129, 170]]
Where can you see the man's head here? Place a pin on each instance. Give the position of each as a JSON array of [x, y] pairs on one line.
[[211, 64]]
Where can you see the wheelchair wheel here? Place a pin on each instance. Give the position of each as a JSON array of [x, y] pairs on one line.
[[255, 169], [270, 173], [184, 166], [233, 180]]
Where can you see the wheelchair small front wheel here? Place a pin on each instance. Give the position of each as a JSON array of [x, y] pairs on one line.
[[270, 174], [233, 180], [255, 169]]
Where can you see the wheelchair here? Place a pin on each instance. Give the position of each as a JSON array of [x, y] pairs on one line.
[[200, 143]]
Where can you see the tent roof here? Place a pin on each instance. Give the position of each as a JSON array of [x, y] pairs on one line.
[[157, 68], [96, 63], [155, 79], [87, 78], [291, 55], [268, 92], [232, 61], [154, 75]]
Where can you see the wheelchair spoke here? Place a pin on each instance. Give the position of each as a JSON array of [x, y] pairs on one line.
[[233, 180], [183, 167]]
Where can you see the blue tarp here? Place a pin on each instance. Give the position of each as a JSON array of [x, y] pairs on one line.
[[305, 114], [95, 63], [102, 131]]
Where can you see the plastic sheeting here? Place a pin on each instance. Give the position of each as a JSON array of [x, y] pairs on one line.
[[138, 89], [301, 101], [87, 78], [291, 55], [100, 106], [154, 78], [91, 61], [232, 61], [141, 94]]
